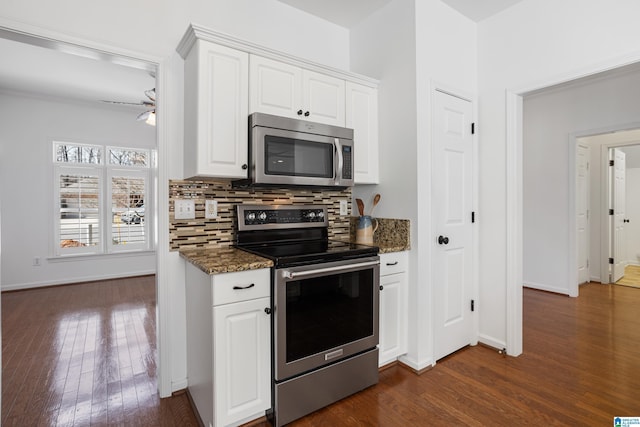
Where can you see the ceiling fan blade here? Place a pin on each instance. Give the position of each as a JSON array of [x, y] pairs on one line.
[[151, 94], [144, 116]]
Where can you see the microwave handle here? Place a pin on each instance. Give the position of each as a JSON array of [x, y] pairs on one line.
[[338, 172]]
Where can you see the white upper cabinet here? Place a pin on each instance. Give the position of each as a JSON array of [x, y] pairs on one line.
[[286, 90], [226, 79], [362, 117], [216, 107]]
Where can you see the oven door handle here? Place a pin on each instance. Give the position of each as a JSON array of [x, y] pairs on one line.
[[296, 274]]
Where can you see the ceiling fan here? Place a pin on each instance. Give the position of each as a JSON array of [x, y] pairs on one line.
[[148, 116]]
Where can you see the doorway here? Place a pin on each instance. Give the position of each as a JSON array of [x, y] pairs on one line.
[[615, 156], [39, 261]]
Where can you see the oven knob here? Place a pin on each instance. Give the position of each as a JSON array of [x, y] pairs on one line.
[[262, 216], [251, 216], [311, 215], [321, 214]]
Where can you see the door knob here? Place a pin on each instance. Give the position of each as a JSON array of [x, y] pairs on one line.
[[267, 310], [442, 240], [625, 220], [299, 112]]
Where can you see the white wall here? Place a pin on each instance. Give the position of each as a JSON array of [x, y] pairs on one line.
[[401, 45], [28, 125], [530, 45], [633, 215], [153, 29], [550, 118]]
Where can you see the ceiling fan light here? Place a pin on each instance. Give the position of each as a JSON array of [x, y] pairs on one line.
[[151, 119]]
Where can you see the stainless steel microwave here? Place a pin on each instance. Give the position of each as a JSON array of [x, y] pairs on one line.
[[284, 151]]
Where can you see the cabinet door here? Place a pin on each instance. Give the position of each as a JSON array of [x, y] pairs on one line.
[[323, 98], [242, 360], [216, 110], [362, 117], [392, 318], [275, 87]]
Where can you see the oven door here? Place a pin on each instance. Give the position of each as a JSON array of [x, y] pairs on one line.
[[324, 313], [296, 158]]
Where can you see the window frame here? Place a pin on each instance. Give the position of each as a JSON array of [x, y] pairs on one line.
[[105, 171]]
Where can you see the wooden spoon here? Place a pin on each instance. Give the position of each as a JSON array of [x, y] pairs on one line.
[[360, 206], [376, 199]]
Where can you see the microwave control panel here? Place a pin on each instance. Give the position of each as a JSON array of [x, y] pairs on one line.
[[347, 156]]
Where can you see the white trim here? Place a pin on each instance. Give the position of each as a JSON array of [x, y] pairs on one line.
[[161, 224], [546, 287], [59, 282], [514, 240], [25, 33], [416, 365], [493, 342], [199, 32]]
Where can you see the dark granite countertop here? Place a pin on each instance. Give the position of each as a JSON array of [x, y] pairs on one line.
[[224, 260]]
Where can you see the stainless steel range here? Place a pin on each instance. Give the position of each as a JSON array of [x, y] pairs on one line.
[[325, 307]]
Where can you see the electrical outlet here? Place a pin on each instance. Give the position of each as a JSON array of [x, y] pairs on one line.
[[211, 209], [185, 209], [344, 209], [36, 261]]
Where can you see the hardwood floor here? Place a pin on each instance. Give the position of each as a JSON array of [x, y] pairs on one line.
[[631, 276], [84, 354], [68, 365]]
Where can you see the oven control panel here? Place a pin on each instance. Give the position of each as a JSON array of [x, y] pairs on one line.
[[281, 216]]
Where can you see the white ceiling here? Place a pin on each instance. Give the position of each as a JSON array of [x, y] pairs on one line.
[[44, 71], [52, 72], [348, 13]]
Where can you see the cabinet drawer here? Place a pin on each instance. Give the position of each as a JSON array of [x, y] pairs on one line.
[[395, 262], [240, 286]]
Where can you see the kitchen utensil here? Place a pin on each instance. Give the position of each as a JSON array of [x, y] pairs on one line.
[[376, 199], [360, 204]]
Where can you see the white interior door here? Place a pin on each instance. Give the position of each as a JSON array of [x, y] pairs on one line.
[[582, 211], [618, 192], [452, 180]]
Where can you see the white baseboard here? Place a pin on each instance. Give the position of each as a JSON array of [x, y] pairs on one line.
[[548, 288], [492, 342], [416, 365], [21, 286], [179, 385]]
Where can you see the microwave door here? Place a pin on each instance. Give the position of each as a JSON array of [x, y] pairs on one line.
[[292, 158]]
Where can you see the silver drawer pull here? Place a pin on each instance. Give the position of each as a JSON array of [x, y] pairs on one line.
[[244, 287], [333, 354], [392, 263]]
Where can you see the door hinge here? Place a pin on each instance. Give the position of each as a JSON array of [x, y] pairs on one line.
[[611, 162], [587, 263], [610, 260], [473, 128], [610, 211], [473, 217], [473, 305]]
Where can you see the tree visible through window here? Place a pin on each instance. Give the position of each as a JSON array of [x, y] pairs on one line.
[[100, 205]]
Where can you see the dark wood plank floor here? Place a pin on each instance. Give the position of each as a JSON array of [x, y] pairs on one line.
[[581, 366], [84, 354]]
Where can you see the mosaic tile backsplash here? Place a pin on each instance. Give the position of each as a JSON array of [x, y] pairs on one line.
[[220, 232]]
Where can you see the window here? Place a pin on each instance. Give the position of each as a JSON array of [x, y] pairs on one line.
[[100, 198]]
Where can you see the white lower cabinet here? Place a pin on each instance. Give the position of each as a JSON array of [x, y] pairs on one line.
[[229, 345], [393, 307]]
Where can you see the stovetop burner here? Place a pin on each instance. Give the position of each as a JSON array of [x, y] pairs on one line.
[[293, 235]]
